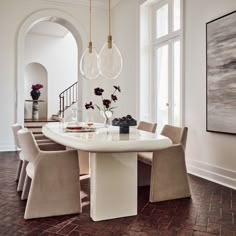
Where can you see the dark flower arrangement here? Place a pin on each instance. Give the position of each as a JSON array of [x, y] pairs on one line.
[[105, 102], [37, 86], [35, 93]]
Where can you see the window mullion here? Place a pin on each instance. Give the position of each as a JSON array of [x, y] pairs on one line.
[[170, 17], [170, 83], [154, 84]]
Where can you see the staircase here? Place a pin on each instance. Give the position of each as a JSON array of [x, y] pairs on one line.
[[35, 126], [67, 98]]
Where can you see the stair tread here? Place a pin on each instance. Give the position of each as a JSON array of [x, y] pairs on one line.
[[37, 132], [33, 127], [40, 120]]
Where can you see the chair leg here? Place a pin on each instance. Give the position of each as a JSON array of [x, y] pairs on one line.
[[22, 176], [144, 174], [26, 188], [19, 169]]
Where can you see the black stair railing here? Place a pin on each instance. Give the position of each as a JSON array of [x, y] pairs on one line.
[[67, 98]]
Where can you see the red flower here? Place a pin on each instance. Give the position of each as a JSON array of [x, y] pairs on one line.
[[117, 88], [113, 97], [89, 105], [106, 102], [98, 91], [37, 86]]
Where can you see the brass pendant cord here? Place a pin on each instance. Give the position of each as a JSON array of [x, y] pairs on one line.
[[90, 27], [90, 21], [109, 40], [109, 17]]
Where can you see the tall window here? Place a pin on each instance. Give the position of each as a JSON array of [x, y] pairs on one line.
[[160, 62]]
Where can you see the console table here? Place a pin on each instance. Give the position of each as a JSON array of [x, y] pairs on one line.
[[35, 108]]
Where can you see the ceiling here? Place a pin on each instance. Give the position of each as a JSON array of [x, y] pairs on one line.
[[50, 29], [95, 3]]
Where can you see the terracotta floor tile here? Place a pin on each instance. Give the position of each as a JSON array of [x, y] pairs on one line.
[[210, 211]]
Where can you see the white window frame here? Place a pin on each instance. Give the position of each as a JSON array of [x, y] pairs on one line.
[[169, 40], [148, 5]]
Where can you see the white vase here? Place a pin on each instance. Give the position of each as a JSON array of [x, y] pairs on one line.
[[35, 110], [106, 115]]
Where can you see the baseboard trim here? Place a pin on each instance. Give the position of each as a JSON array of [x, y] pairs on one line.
[[8, 148], [212, 173]]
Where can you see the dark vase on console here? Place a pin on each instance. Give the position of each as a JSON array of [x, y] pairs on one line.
[[35, 94]]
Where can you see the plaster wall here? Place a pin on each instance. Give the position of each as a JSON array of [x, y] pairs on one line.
[[209, 155]]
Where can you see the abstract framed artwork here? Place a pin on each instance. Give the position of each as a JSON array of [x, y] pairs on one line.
[[221, 74]]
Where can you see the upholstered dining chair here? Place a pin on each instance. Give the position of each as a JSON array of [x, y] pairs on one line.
[[147, 126], [44, 143], [168, 169], [55, 182], [144, 171], [15, 129]]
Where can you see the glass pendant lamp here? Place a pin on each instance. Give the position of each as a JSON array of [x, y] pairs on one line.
[[110, 62], [90, 60]]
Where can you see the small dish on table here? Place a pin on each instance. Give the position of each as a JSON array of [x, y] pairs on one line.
[[78, 128]]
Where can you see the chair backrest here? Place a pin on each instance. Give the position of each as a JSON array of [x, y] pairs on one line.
[[176, 134], [146, 126], [28, 144], [15, 129]]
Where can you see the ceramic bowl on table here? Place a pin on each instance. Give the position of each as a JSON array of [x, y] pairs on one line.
[[124, 123]]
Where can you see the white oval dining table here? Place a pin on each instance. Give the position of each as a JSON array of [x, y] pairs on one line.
[[113, 164]]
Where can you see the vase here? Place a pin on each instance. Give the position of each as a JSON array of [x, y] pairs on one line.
[[35, 94], [124, 129], [35, 110], [106, 115]]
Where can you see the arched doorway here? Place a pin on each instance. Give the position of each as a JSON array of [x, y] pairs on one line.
[[52, 15]]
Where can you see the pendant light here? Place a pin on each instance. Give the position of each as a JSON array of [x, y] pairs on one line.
[[89, 60], [110, 63]]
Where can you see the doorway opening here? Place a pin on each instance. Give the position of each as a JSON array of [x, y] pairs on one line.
[[54, 48], [46, 16]]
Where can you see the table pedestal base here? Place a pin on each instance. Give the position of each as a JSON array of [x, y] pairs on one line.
[[113, 180]]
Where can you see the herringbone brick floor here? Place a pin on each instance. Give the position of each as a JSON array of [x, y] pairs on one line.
[[210, 211]]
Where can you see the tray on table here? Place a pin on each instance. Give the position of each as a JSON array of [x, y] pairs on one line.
[[79, 129]]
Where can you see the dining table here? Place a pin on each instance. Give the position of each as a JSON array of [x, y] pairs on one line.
[[113, 164]]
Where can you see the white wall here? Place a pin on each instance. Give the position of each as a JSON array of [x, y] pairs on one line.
[[12, 15], [210, 155], [124, 32], [60, 58]]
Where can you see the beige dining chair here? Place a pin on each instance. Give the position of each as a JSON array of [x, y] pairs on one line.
[[41, 138], [144, 171], [53, 177], [15, 129], [44, 143], [147, 126], [168, 169]]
